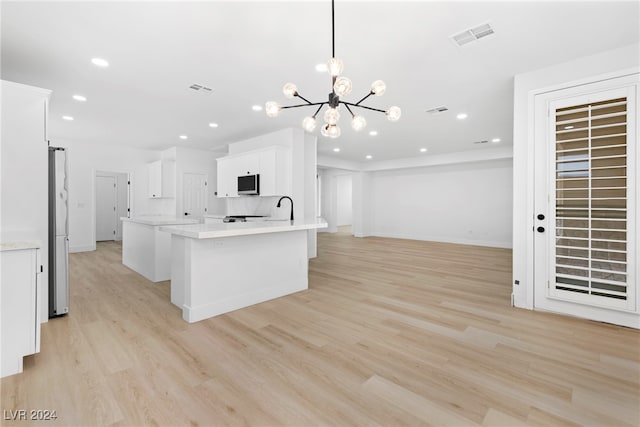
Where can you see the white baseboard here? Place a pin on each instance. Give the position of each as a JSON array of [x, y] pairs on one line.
[[487, 243], [88, 248]]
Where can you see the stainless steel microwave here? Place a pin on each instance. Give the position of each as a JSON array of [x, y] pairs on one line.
[[249, 184]]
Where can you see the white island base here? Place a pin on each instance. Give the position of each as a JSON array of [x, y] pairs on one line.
[[235, 266]]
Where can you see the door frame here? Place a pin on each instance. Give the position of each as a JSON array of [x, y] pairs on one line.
[[114, 192], [541, 101], [130, 193]]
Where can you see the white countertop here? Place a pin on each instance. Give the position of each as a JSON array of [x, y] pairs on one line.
[[15, 240], [19, 245], [160, 220], [212, 231]]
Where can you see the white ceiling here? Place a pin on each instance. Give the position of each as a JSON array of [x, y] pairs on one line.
[[246, 51]]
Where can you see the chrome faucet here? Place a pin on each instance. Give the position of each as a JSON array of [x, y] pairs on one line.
[[286, 197]]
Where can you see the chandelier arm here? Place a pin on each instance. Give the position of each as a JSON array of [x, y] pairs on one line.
[[362, 106], [303, 98], [368, 95], [304, 105], [318, 110], [348, 109]]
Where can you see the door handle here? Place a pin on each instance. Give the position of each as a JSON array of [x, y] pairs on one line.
[[540, 229]]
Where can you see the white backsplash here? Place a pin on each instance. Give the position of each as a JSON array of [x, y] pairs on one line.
[[258, 205]]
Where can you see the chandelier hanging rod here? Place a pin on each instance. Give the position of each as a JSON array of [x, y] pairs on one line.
[[340, 86]]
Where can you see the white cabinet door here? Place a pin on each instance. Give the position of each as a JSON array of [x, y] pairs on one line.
[[248, 164], [275, 172], [20, 320], [162, 178], [227, 177], [155, 179]]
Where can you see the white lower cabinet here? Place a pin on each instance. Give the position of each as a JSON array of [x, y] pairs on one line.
[[20, 296]]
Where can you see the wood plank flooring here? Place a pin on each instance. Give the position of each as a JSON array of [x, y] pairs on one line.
[[390, 333]]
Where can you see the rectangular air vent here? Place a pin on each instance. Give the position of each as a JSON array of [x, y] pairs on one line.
[[472, 34], [437, 110], [200, 88]]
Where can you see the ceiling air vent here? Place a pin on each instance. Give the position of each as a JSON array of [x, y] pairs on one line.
[[200, 88], [437, 110], [472, 34]]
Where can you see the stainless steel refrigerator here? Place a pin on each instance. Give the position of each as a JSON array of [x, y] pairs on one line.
[[58, 233]]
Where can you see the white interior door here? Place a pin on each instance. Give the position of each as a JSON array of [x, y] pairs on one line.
[[586, 194], [105, 208], [194, 194]]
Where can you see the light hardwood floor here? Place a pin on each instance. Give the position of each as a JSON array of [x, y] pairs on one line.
[[390, 332]]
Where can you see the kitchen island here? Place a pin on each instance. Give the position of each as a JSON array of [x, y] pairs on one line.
[[145, 249], [218, 268]]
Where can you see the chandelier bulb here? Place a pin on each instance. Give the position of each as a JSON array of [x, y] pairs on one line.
[[378, 87], [393, 114], [272, 109], [358, 123], [342, 86], [309, 124], [330, 131], [290, 90], [335, 67], [331, 116]]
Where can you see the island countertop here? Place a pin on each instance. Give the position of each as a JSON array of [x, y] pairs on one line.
[[212, 231], [159, 220]]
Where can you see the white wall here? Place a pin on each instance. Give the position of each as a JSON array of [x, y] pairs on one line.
[[345, 200], [466, 203], [84, 161], [585, 70]]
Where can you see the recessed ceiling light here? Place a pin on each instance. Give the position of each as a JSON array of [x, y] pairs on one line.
[[321, 68], [80, 98], [495, 140], [368, 156], [100, 62], [337, 150], [423, 150], [257, 108], [213, 125], [373, 133], [183, 137], [461, 116], [68, 118]]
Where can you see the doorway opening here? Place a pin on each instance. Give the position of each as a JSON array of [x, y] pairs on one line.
[[112, 190]]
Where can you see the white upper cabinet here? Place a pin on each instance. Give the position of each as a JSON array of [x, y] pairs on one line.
[[272, 163], [275, 172], [162, 179]]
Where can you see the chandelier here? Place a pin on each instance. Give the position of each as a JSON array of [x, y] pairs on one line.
[[341, 86]]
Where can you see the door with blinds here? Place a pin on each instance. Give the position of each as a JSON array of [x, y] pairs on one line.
[[586, 200]]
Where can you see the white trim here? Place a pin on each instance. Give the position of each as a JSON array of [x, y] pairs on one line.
[[441, 239]]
